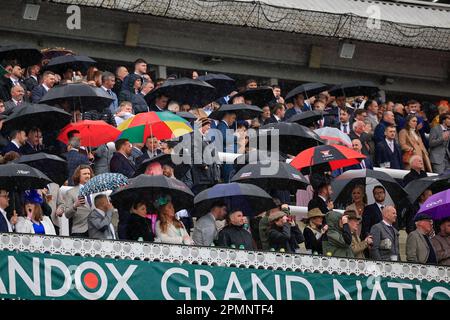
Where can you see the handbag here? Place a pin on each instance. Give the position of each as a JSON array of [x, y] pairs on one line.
[[407, 156]]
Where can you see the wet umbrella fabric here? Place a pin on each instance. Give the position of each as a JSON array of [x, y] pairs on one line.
[[76, 63], [307, 89], [14, 176], [52, 166], [435, 183], [26, 56], [242, 111], [224, 84], [103, 182]]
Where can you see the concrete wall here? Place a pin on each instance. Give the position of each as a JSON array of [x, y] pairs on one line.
[[243, 50]]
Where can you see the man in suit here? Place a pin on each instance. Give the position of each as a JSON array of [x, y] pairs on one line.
[[323, 199], [33, 142], [417, 170], [418, 243], [299, 106], [327, 120], [6, 225], [18, 138], [11, 79], [388, 120], [229, 141], [160, 104], [108, 81], [99, 220], [387, 152], [385, 237], [74, 158], [344, 121], [120, 162], [121, 73], [372, 213], [205, 229], [372, 112], [278, 112], [48, 81], [17, 100], [150, 150], [365, 163], [140, 69], [32, 80], [439, 144], [359, 133]]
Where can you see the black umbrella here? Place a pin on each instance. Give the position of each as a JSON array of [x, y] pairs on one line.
[[344, 184], [248, 198], [435, 183], [307, 89], [260, 96], [257, 156], [179, 170], [26, 56], [354, 88], [76, 63], [44, 117], [224, 84], [307, 118], [293, 137], [242, 111], [15, 176], [195, 93], [52, 166], [145, 187], [187, 116], [273, 176], [79, 95]]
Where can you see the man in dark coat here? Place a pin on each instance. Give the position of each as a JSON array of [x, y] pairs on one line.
[[120, 162], [373, 213], [234, 235], [323, 199], [48, 81], [278, 112], [74, 158], [284, 233], [417, 172], [18, 138], [388, 152]]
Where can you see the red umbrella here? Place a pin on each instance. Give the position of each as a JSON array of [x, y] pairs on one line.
[[326, 158], [92, 133]]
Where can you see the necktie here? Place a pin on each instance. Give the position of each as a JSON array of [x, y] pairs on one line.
[[19, 103], [109, 91], [345, 127], [363, 165]]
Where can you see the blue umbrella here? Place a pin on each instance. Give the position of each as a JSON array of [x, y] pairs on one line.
[[103, 182], [248, 198]]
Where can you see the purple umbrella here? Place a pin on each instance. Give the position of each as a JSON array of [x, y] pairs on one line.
[[437, 206]]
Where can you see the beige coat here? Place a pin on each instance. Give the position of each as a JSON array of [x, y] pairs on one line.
[[407, 141], [417, 249], [358, 247], [441, 246]]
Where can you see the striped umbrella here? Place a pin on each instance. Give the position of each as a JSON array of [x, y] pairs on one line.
[[162, 125]]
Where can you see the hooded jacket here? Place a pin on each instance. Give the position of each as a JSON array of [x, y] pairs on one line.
[[128, 94], [337, 241]]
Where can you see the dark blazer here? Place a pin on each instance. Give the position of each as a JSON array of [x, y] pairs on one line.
[[10, 106], [384, 154], [318, 202], [11, 147], [139, 227], [5, 88], [337, 125], [413, 175], [367, 162], [28, 149], [154, 108], [37, 93], [74, 159], [144, 156], [3, 224], [365, 139], [272, 119], [120, 164], [371, 216], [30, 83]]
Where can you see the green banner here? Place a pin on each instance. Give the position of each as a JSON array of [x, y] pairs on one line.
[[44, 276]]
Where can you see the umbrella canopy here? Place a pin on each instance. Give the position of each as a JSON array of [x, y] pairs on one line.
[[76, 63], [243, 111], [344, 184], [14, 176], [435, 183], [195, 93], [52, 166], [248, 198], [50, 53], [103, 182], [307, 89], [162, 125], [224, 84], [26, 56], [44, 117], [354, 88], [273, 176], [93, 133], [326, 158], [437, 206], [293, 137], [187, 116], [307, 118], [79, 95], [179, 170], [260, 96], [149, 188], [334, 134]]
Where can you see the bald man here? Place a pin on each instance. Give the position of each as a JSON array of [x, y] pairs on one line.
[[385, 237]]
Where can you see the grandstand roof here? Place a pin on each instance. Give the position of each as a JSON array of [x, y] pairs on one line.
[[400, 24]]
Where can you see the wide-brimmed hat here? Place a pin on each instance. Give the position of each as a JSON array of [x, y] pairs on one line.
[[276, 215], [313, 213], [351, 214]]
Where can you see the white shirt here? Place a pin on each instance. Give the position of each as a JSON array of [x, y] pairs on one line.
[[16, 144], [10, 229], [381, 205], [45, 87], [347, 127], [389, 225], [276, 117], [324, 200], [16, 101], [390, 144]]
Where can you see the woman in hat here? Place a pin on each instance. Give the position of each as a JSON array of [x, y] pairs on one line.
[[359, 202], [168, 228], [284, 234], [314, 231], [358, 246], [33, 220]]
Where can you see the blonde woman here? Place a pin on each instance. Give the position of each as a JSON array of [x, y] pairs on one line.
[[168, 228]]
